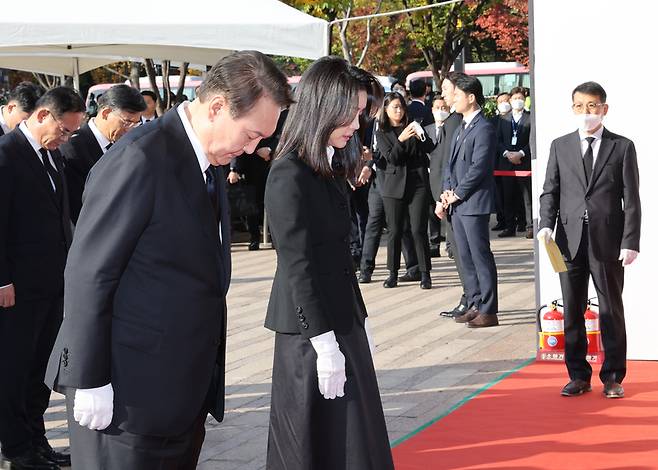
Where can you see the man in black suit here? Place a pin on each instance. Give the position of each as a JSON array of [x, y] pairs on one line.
[[20, 104], [119, 110], [417, 109], [439, 159], [514, 155], [151, 101], [469, 195], [35, 234], [591, 196], [140, 355]]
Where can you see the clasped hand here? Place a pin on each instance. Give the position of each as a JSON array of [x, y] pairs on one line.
[[330, 365], [93, 407]]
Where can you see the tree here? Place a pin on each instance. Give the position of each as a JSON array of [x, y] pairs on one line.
[[506, 21]]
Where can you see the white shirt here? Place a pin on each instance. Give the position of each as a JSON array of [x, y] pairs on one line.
[[595, 145], [3, 123], [196, 146], [35, 145], [517, 115], [330, 154], [469, 119], [100, 138]]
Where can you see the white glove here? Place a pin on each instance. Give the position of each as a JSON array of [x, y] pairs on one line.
[[330, 364], [544, 234], [93, 407], [627, 256], [371, 341]]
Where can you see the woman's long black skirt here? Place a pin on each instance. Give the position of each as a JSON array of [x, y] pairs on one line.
[[309, 432]]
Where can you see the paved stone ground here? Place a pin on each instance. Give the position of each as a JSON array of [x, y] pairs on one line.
[[425, 364]]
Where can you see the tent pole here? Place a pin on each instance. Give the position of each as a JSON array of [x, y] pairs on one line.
[[76, 74], [327, 46]]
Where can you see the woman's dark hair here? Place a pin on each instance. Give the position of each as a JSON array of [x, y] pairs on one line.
[[243, 77], [123, 98], [383, 120], [590, 88], [326, 98], [470, 85]]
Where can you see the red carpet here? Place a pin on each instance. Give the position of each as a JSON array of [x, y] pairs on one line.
[[522, 422]]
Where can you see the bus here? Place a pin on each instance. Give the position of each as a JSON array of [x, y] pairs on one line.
[[496, 77], [191, 84]]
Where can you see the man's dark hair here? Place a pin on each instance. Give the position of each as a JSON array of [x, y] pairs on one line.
[[150, 94], [453, 76], [417, 88], [437, 98], [383, 120], [503, 93], [327, 96], [26, 95], [243, 77], [590, 88], [124, 98], [517, 90], [471, 85], [60, 100]]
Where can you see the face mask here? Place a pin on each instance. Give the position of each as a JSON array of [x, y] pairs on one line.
[[587, 122], [518, 105], [504, 107], [441, 115]]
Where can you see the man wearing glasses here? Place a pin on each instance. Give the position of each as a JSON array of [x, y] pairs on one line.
[[591, 197], [119, 110], [35, 235]]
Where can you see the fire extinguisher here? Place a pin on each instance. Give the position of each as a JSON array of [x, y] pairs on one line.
[[551, 336], [592, 327]]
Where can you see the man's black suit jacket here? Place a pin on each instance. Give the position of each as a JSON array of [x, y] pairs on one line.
[[315, 288], [146, 284], [441, 153], [80, 153], [470, 169], [612, 197], [35, 227], [418, 111], [522, 141]]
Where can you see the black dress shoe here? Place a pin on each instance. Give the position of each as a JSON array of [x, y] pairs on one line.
[[529, 234], [425, 281], [613, 390], [392, 281], [455, 312], [365, 277], [253, 246], [435, 252], [498, 227], [576, 387], [520, 228], [46, 451], [31, 460], [507, 233], [467, 316], [407, 277]]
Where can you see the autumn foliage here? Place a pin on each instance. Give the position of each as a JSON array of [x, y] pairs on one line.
[[506, 21]]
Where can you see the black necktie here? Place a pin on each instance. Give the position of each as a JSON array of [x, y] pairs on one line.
[[588, 159], [107, 147], [211, 188], [52, 172]]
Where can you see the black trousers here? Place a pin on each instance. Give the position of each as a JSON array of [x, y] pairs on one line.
[[451, 244], [359, 215], [434, 226], [114, 449], [413, 205], [608, 278], [27, 335], [373, 235], [500, 200], [517, 195], [479, 267]]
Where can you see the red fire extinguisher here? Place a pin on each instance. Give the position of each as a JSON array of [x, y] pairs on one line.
[[593, 329], [551, 336]]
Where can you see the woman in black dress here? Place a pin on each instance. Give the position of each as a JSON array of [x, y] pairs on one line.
[[326, 412], [404, 185]]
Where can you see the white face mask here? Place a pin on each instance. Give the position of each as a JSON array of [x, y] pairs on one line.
[[504, 107], [587, 122], [517, 105], [441, 115]]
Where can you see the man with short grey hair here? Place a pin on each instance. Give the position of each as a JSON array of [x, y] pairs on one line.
[[140, 355], [119, 110]]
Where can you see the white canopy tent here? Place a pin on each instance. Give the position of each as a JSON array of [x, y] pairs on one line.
[[75, 36]]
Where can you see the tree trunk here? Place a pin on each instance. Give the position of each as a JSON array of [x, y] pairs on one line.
[[182, 74], [150, 72], [166, 88], [47, 81], [134, 75], [367, 44], [345, 44]]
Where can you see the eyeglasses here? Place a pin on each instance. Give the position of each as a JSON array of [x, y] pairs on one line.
[[63, 130], [580, 108], [127, 123]]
